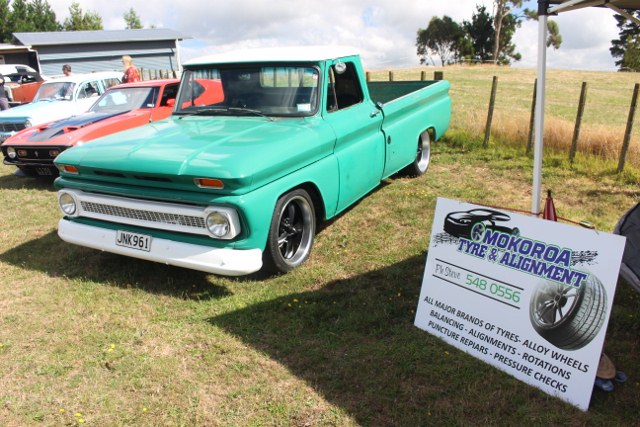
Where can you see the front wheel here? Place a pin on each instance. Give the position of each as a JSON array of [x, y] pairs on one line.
[[423, 156], [291, 233]]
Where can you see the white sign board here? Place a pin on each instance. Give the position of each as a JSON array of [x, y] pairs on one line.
[[528, 296]]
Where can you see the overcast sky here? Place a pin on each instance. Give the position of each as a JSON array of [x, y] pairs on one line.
[[383, 30]]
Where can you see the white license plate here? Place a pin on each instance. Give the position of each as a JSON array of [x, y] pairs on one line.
[[141, 242]]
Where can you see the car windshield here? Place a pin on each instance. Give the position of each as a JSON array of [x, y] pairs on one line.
[[55, 91], [248, 89], [119, 100]]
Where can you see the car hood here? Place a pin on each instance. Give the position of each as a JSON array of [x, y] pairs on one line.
[[243, 152], [39, 112], [52, 130]]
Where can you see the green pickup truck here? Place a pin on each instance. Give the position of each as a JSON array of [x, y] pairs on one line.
[[233, 183]]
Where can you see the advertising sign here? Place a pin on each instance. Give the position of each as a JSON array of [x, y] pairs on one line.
[[528, 296]]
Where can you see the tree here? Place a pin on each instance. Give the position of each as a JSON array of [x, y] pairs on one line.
[[80, 21], [626, 46], [42, 17], [553, 37], [19, 17], [506, 48], [481, 34], [132, 20], [441, 38], [503, 9], [5, 19]]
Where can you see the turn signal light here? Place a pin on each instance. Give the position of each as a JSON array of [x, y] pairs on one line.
[[69, 169], [213, 183]]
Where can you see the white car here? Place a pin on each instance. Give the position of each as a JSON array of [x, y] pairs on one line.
[[58, 99]]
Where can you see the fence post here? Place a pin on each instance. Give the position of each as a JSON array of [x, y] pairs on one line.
[[423, 75], [627, 132], [390, 76], [368, 74], [533, 116], [492, 103], [438, 75], [576, 130]]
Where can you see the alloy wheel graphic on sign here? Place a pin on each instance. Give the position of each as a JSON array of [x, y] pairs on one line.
[[566, 316]]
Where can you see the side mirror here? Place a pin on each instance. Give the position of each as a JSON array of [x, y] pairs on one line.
[[171, 102]]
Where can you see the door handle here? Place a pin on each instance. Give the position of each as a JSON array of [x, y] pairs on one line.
[[374, 113]]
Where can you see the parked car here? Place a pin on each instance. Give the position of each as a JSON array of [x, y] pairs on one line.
[[57, 99], [235, 185], [121, 107], [21, 83], [472, 224]]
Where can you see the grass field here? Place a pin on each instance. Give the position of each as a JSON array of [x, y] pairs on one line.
[[88, 338]]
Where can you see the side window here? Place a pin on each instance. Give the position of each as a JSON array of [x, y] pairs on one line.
[[344, 87], [89, 90], [170, 92], [111, 82]]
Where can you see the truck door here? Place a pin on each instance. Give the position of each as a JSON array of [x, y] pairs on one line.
[[357, 124]]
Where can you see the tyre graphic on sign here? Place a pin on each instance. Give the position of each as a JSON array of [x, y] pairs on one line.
[[566, 316]]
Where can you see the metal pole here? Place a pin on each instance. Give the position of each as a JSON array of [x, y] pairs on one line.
[[539, 121]]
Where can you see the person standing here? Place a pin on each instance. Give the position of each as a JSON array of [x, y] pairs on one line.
[[66, 69], [4, 101], [131, 73]]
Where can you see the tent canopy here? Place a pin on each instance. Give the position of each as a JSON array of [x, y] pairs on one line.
[[552, 7]]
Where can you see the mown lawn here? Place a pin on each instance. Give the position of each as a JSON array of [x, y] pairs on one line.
[[88, 338]]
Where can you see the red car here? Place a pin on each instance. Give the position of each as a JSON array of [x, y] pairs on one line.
[[121, 107]]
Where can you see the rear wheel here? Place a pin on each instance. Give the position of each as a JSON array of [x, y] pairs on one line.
[[423, 156], [291, 233]]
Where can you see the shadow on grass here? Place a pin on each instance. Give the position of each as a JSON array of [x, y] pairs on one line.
[[354, 342], [57, 258], [15, 182]]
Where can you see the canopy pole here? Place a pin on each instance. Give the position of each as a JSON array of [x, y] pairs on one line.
[[539, 110]]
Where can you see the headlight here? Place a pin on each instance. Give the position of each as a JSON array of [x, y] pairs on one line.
[[218, 224], [222, 222], [67, 203], [27, 124], [11, 152]]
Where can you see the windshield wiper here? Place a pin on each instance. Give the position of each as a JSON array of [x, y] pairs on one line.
[[224, 110]]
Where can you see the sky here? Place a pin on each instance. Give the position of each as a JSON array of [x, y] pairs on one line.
[[384, 31]]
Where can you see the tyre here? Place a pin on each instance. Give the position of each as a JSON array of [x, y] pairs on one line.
[[569, 317], [477, 231], [291, 232], [423, 156]]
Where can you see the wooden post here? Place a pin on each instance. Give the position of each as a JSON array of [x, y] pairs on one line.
[[533, 116], [368, 74], [423, 75], [438, 75], [390, 76], [492, 103], [627, 132], [576, 130]]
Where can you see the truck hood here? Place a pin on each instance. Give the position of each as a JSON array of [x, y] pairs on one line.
[[244, 152], [39, 112]]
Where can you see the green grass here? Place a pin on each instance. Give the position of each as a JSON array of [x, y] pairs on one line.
[[111, 341], [89, 338]]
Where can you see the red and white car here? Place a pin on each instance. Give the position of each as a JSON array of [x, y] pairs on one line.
[[121, 107]]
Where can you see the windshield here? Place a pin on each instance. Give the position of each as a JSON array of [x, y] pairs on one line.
[[55, 91], [249, 89], [119, 100]]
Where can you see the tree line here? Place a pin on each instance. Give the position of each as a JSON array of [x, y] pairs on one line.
[[26, 16], [488, 37], [485, 38]]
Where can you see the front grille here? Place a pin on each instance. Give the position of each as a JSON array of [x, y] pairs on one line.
[[11, 127], [143, 215], [39, 154]]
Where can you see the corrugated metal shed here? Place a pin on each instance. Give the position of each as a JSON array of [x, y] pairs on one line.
[[88, 51]]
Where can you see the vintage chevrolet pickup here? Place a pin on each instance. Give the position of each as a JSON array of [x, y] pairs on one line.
[[238, 185]]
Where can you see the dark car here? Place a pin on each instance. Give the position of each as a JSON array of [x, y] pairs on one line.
[[472, 224]]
